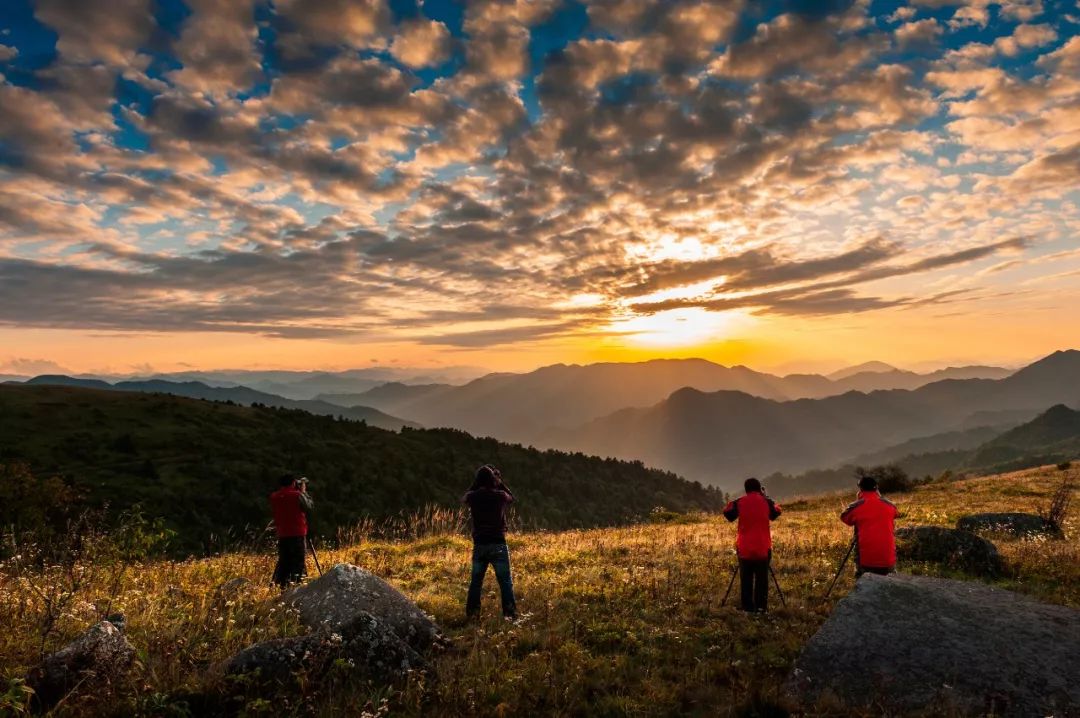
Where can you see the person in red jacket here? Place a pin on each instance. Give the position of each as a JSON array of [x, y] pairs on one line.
[[290, 505], [754, 543], [874, 519]]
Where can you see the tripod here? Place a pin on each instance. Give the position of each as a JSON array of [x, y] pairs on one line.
[[771, 573], [839, 571]]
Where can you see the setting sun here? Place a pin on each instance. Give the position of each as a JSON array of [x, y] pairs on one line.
[[678, 327]]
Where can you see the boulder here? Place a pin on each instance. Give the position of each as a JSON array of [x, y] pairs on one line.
[[1017, 524], [368, 646], [98, 658], [961, 550], [345, 591], [899, 643]]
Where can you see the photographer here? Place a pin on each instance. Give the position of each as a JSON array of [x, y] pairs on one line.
[[754, 511], [290, 505], [487, 500], [874, 520]]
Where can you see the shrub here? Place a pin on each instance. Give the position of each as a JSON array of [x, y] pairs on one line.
[[1058, 510], [1064, 466], [890, 478]]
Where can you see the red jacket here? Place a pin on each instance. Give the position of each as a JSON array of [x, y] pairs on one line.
[[754, 512], [289, 517], [874, 520]]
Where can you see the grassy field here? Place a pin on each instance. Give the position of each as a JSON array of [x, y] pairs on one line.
[[615, 622]]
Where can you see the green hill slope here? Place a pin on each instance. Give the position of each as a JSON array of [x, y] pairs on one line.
[[1050, 437], [208, 467]]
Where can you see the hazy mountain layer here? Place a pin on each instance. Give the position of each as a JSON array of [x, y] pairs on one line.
[[720, 437], [239, 395], [525, 407]]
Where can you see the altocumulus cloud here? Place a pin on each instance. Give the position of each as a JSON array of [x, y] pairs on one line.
[[327, 169]]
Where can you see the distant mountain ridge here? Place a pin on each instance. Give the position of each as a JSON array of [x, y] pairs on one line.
[[294, 384], [238, 394], [719, 437], [525, 407], [870, 367], [1051, 437]]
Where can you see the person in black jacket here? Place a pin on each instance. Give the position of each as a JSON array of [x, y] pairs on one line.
[[487, 500]]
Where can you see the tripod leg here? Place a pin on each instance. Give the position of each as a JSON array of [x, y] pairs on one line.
[[839, 571], [777, 584], [314, 555], [730, 584]]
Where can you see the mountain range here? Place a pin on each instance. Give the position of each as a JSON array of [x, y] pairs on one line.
[[720, 437], [1052, 437], [526, 407], [670, 413], [238, 395]]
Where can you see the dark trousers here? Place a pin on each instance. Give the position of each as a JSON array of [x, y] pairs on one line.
[[754, 583], [498, 556], [291, 565]]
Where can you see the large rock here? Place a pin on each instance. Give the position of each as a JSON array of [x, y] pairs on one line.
[[1017, 524], [369, 647], [961, 550], [94, 661], [345, 591], [903, 643]]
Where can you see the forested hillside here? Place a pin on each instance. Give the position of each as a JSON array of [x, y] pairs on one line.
[[208, 467]]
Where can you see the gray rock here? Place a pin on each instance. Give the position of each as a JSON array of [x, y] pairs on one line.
[[345, 591], [369, 647], [961, 550], [98, 658], [1017, 524], [904, 643]]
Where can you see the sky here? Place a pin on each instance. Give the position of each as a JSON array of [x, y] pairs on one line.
[[512, 183]]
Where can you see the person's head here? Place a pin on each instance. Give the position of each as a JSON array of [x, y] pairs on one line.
[[485, 477], [287, 480], [868, 483], [752, 486]]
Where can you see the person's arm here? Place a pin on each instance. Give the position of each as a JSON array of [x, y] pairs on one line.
[[731, 511], [306, 502], [774, 509], [848, 516], [465, 498]]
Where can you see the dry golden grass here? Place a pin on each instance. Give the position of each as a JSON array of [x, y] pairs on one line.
[[615, 622]]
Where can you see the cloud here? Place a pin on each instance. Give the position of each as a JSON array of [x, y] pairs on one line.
[[318, 169], [919, 32], [25, 366], [217, 47], [306, 25], [1025, 37], [421, 42], [98, 32], [8, 53]]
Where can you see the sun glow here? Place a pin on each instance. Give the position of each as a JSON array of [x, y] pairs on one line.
[[678, 327]]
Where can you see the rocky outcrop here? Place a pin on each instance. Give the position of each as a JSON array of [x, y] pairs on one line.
[[1015, 524], [345, 591], [364, 644], [93, 662], [961, 550], [898, 644]]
